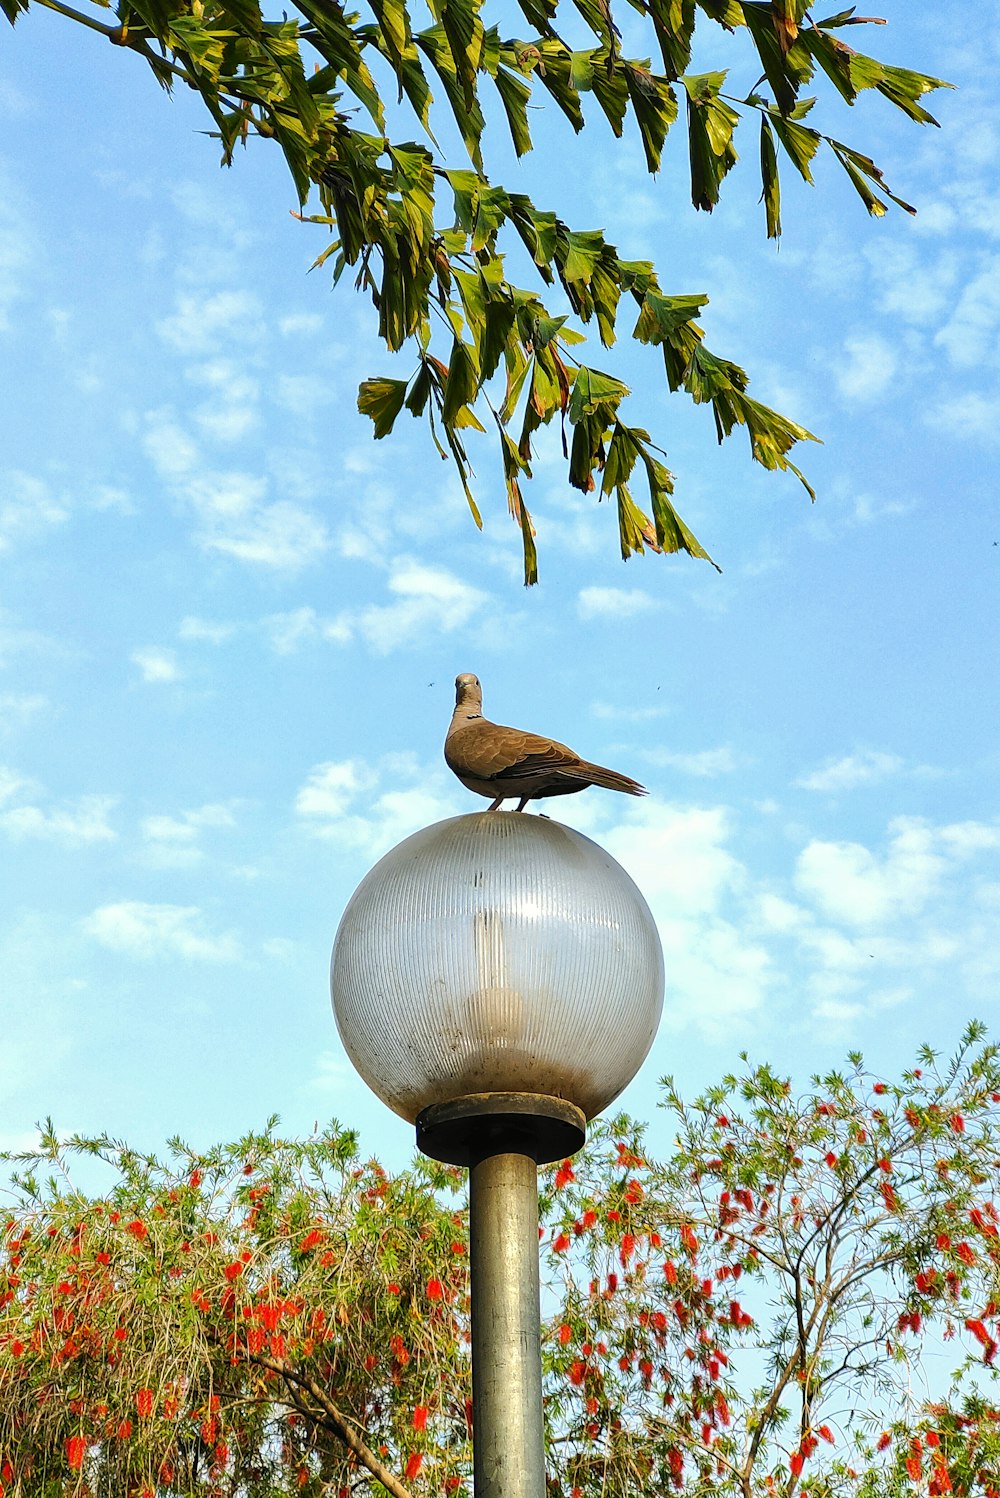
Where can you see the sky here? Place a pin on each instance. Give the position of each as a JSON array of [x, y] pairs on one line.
[[230, 622]]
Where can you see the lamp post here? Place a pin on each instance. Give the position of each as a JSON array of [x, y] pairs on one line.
[[497, 980]]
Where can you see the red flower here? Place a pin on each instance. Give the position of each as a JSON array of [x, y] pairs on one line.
[[311, 1240], [234, 1270], [564, 1175], [795, 1462], [435, 1290], [831, 1159], [414, 1464], [879, 1088], [76, 1450], [564, 1334], [561, 1244], [194, 1179], [688, 1239], [965, 1253], [577, 1372], [957, 1123], [627, 1248], [883, 1441], [137, 1229], [826, 1433], [420, 1417], [144, 1403]]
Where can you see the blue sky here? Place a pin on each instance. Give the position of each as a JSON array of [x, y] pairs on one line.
[[230, 621]]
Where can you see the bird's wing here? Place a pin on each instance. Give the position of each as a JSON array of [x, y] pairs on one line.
[[492, 752]]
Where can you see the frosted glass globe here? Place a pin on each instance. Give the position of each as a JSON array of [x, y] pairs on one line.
[[497, 952]]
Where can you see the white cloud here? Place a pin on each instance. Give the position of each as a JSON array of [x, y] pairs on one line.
[[868, 369], [342, 801], [850, 884], [198, 322], [330, 788], [145, 931], [299, 322], [851, 770], [619, 714], [20, 706], [973, 415], [235, 518], [678, 854], [11, 783], [214, 632], [174, 841], [156, 664], [969, 337], [74, 824], [28, 509], [429, 598], [290, 630], [705, 763], [613, 603]]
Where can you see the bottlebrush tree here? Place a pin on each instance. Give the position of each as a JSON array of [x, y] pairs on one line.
[[774, 1308]]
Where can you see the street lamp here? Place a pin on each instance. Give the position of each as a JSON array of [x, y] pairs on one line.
[[497, 980]]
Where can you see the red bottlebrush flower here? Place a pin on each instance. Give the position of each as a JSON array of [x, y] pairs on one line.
[[311, 1240], [981, 1335], [932, 1438], [883, 1441], [435, 1290], [965, 1253], [688, 1239], [564, 1334], [119, 1333], [124, 1430], [589, 1218], [221, 1454], [634, 1192], [576, 1373], [452, 1484], [943, 1241], [17, 1347], [413, 1465], [670, 1272], [392, 1288], [957, 1123], [627, 1248], [144, 1403], [420, 1417], [795, 1462], [138, 1229], [234, 1270], [103, 1257], [885, 1165], [564, 1175], [926, 1280], [561, 1244], [879, 1088], [913, 1465], [655, 1241], [831, 1159], [826, 1433], [76, 1450], [194, 1179], [888, 1196]]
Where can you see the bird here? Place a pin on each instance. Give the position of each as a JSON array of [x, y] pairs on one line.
[[502, 763]]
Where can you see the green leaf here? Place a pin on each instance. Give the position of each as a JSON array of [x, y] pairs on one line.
[[462, 384], [711, 123], [592, 389], [770, 187], [382, 400], [514, 95]]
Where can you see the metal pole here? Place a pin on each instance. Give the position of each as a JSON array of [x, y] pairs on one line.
[[509, 1446]]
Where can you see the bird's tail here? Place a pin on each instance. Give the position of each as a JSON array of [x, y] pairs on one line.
[[612, 780]]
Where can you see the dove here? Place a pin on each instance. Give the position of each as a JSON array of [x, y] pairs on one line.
[[504, 762]]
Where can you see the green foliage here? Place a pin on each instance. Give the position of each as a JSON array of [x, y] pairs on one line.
[[751, 1316], [388, 204]]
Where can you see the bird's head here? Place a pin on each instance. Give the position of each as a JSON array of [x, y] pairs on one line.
[[468, 692]]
